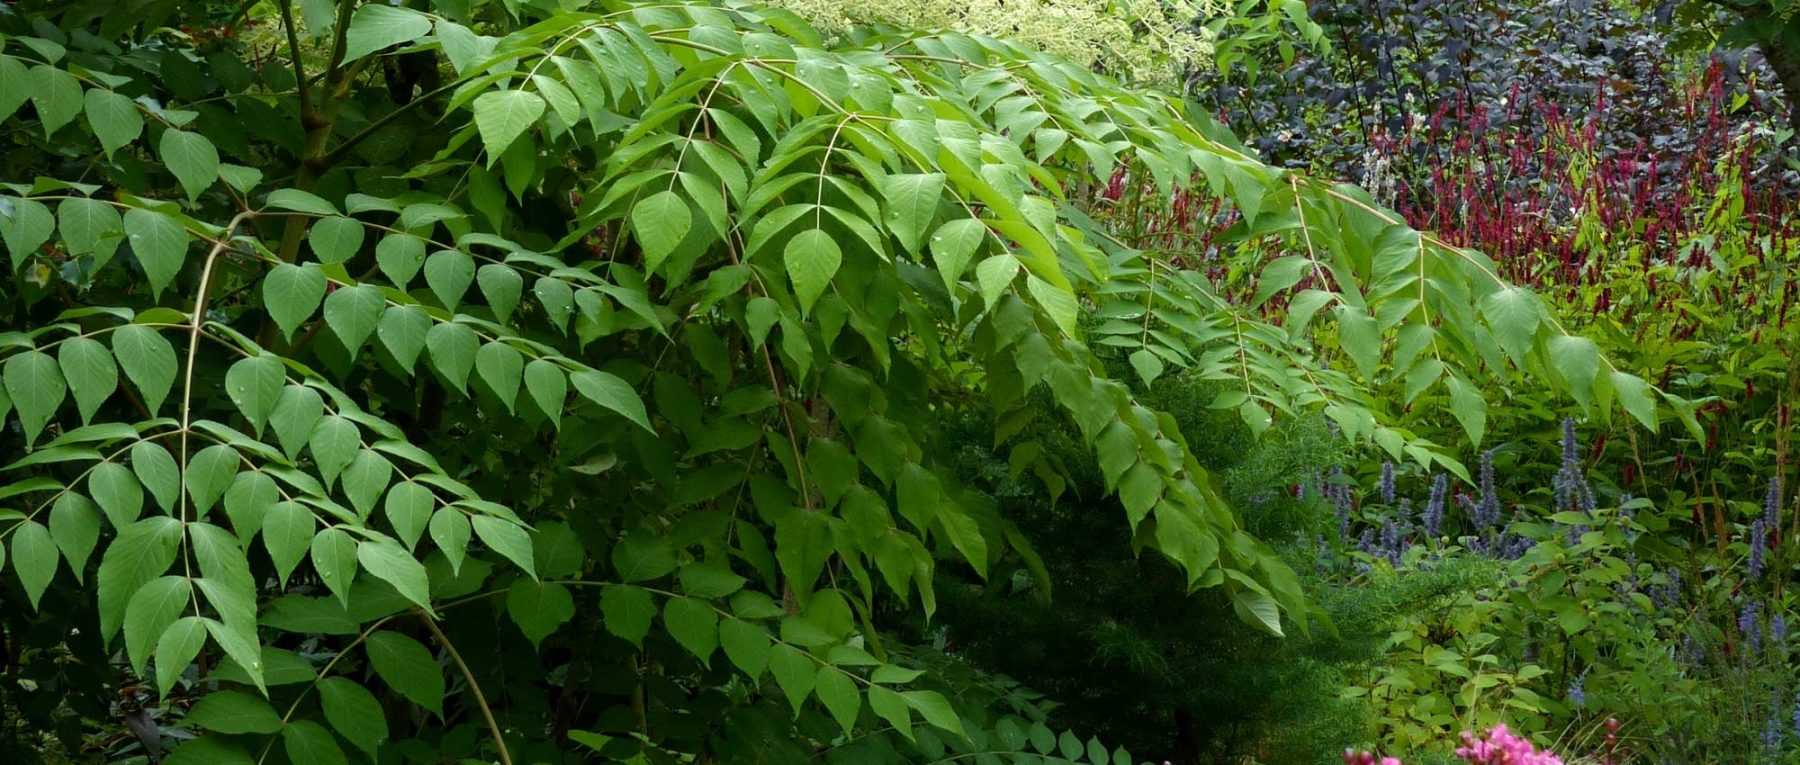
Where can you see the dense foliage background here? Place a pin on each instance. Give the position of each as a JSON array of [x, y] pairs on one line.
[[725, 382]]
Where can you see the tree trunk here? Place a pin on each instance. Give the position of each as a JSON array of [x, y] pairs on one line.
[[1786, 64], [1187, 740]]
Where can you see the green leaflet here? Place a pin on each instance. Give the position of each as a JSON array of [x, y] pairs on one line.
[[402, 333], [812, 258], [297, 412], [192, 158], [89, 227], [1577, 362], [1468, 407], [234, 712], [994, 275], [1636, 396], [374, 27], [627, 612], [660, 221], [912, 203], [795, 672], [158, 472], [500, 367], [507, 539], [539, 608], [291, 293], [612, 393], [642, 557], [334, 442], [209, 473], [334, 559], [365, 478], [34, 559], [1258, 608], [400, 256], [936, 710], [75, 527], [300, 201], [160, 243], [352, 313], [176, 649], [335, 239], [453, 348], [746, 644], [501, 287], [557, 298], [35, 384], [450, 532], [15, 85], [287, 532], [407, 667], [408, 509], [255, 385], [57, 96], [892, 707], [208, 751], [390, 562], [118, 493], [838, 693], [502, 116], [25, 225], [548, 388], [1360, 338], [248, 501], [354, 713], [694, 625], [148, 360], [1513, 313], [307, 741]]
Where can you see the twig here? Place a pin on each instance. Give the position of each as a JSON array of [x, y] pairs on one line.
[[474, 687]]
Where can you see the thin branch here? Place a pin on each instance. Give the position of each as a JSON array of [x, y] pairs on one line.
[[293, 40], [337, 152], [474, 687], [242, 11], [187, 384], [339, 38], [322, 674]]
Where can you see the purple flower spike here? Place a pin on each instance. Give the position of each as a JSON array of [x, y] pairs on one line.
[[1387, 482], [1433, 517], [1749, 624], [1759, 542], [1772, 503]]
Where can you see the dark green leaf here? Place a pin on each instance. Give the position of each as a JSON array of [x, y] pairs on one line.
[[160, 243], [335, 239], [504, 115], [377, 26], [309, 742], [192, 158], [812, 258], [539, 608], [354, 712], [333, 554], [407, 667], [34, 382], [92, 374], [291, 293], [627, 611], [235, 712]]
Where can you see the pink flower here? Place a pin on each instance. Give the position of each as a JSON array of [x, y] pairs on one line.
[[1502, 747], [1498, 747]]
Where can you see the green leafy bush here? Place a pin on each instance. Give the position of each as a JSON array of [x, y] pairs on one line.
[[526, 383]]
